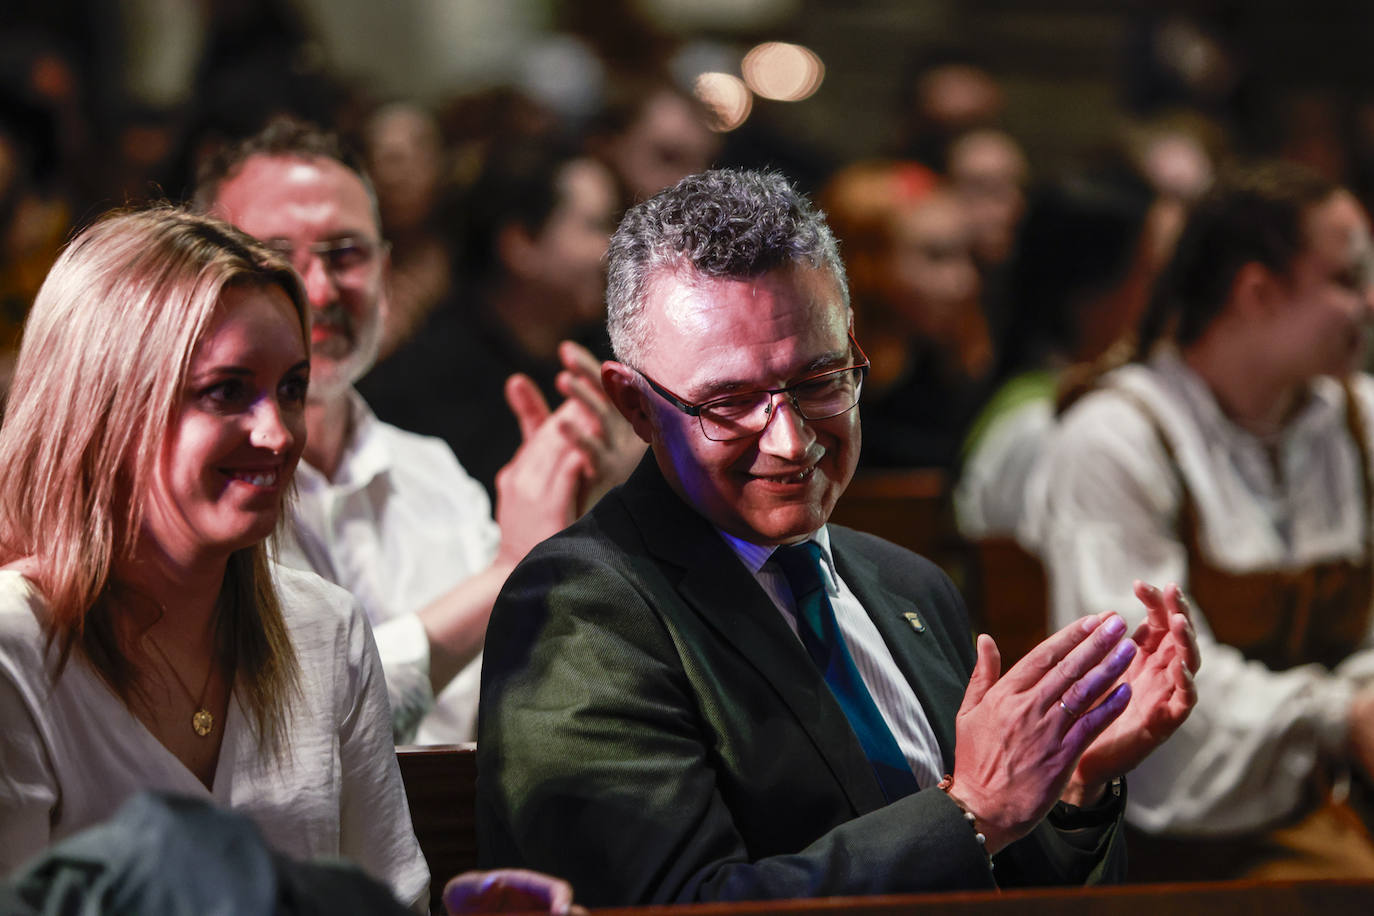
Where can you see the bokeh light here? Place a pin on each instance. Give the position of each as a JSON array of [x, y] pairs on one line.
[[726, 97], [783, 72]]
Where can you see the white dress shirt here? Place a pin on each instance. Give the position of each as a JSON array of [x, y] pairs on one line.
[[895, 699], [1103, 509], [71, 752], [400, 524]]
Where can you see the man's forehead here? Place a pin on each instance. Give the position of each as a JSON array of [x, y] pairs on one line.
[[711, 334], [281, 190], [694, 301]]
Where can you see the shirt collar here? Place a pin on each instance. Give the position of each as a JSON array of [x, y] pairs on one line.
[[366, 456], [754, 556], [1323, 398]]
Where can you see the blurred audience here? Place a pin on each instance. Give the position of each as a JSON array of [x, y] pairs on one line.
[[914, 288], [945, 93], [1233, 456], [534, 229], [987, 174], [650, 135], [1081, 273], [407, 160]]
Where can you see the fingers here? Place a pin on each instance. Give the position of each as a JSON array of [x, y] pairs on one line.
[[1181, 625], [985, 673], [1168, 615], [587, 392], [1156, 623], [1044, 657], [1085, 729], [578, 360], [526, 402], [1090, 670]]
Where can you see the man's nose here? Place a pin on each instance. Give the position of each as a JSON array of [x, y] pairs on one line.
[[787, 434], [320, 288]]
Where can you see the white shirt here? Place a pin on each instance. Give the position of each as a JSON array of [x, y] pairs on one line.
[[1106, 512], [400, 524], [71, 752], [891, 693], [991, 495]]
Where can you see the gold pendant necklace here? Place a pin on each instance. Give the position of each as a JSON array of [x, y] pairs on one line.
[[202, 721]]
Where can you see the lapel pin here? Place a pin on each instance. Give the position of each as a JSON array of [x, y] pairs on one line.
[[915, 620]]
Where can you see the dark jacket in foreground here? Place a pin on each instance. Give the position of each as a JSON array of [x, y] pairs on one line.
[[652, 730]]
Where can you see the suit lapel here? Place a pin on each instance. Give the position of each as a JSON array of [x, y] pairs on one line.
[[718, 587], [917, 652]]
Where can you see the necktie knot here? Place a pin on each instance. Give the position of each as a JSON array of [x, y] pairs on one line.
[[801, 566]]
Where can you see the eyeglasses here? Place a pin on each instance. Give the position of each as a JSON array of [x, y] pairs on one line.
[[346, 258], [737, 416]]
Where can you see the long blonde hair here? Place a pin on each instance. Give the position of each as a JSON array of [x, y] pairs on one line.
[[101, 371]]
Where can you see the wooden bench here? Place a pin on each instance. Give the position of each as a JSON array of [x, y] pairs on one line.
[[441, 788], [1229, 898]]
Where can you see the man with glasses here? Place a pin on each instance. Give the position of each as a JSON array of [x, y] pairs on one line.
[[387, 514], [703, 691]]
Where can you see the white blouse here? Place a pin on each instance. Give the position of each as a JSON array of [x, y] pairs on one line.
[[71, 752], [1103, 510]]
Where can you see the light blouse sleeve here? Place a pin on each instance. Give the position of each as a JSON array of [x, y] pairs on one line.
[[402, 643], [28, 787], [1107, 517], [375, 830]]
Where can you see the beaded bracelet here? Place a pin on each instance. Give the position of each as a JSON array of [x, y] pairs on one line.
[[944, 786]]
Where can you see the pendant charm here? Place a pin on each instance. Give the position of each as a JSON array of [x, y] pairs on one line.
[[202, 723]]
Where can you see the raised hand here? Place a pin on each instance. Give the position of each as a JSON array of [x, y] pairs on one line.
[[1019, 737], [604, 435], [1162, 690], [537, 491]]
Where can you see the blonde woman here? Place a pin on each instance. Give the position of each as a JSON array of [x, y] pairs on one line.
[[146, 641]]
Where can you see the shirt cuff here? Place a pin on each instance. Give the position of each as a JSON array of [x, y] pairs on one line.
[[1332, 711], [1100, 813], [404, 651]]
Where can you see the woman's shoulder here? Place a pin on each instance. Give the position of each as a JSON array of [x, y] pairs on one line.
[[321, 616], [22, 641], [307, 598], [20, 603]]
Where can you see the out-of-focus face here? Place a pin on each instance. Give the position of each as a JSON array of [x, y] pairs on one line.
[[987, 172], [239, 430], [568, 256], [668, 142], [404, 158], [710, 337], [1323, 327], [931, 270], [304, 204]]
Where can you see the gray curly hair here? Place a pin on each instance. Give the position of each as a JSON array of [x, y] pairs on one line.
[[721, 223]]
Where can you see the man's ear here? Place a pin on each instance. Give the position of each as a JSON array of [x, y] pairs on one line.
[[622, 387], [1255, 291], [515, 249]]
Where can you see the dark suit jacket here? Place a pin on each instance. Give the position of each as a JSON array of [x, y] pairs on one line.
[[653, 731]]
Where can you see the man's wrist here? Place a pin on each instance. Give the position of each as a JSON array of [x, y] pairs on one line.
[[1085, 799], [1083, 794]]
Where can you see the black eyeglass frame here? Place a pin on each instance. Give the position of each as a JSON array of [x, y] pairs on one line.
[[694, 410]]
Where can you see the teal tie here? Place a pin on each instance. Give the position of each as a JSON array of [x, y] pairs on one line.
[[820, 634]]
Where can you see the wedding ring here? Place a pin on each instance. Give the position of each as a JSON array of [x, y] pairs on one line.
[[1072, 714]]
